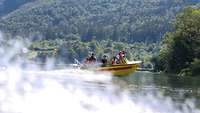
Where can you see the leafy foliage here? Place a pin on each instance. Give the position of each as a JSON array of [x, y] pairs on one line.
[[181, 48], [67, 51], [119, 20]]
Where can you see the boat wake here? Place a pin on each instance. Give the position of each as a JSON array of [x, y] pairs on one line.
[[72, 90]]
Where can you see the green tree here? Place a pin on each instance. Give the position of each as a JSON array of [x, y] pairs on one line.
[[181, 47]]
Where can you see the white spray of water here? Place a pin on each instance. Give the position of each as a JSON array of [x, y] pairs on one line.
[[54, 91], [74, 90]]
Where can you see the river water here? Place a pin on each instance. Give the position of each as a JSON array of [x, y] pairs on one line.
[[77, 91], [178, 88]]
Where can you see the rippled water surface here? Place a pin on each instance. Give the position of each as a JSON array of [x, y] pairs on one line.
[[73, 90]]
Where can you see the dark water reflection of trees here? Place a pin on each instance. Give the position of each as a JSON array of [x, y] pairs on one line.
[[179, 88]]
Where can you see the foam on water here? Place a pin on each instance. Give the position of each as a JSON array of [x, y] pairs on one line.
[[73, 90], [62, 91]]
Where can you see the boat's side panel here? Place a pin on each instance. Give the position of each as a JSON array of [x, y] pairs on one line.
[[120, 69]]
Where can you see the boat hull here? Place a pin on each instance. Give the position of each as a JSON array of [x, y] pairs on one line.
[[124, 69]]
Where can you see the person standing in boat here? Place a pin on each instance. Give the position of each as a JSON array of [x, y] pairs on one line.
[[121, 57]]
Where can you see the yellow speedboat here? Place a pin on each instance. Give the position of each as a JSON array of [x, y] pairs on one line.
[[123, 69], [119, 69]]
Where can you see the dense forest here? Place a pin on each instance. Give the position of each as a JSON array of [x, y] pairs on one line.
[[67, 51], [119, 20], [180, 51]]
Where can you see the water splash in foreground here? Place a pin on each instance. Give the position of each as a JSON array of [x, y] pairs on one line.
[[76, 91]]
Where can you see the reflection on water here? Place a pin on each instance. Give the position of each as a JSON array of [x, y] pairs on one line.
[[179, 88], [73, 90]]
